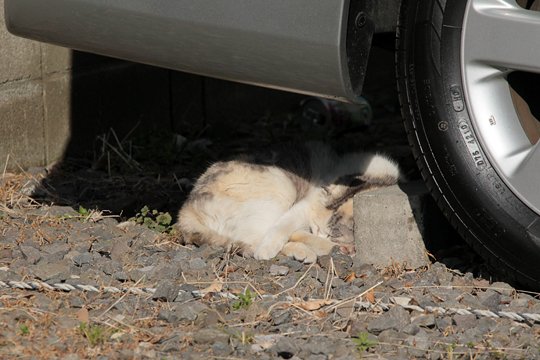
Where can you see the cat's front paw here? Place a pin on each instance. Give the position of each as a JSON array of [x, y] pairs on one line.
[[267, 251], [270, 246]]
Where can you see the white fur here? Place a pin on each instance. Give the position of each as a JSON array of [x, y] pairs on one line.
[[259, 208]]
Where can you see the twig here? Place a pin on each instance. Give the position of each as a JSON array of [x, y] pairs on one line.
[[329, 280], [341, 302]]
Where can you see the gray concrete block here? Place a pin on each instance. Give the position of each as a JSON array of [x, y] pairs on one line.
[[21, 124], [390, 224], [57, 117], [19, 58], [55, 59]]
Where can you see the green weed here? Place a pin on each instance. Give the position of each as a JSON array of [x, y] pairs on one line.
[[153, 219], [83, 211], [95, 334], [24, 329], [244, 300], [363, 342]]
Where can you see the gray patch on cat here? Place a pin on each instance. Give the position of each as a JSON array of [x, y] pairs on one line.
[[341, 231], [213, 173], [200, 196], [356, 183], [333, 224]]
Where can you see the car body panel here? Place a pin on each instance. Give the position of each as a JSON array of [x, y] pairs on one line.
[[316, 47]]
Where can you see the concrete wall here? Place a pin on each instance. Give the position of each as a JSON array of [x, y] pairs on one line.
[[55, 101]]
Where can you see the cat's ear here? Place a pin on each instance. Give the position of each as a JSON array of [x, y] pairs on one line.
[[344, 188]]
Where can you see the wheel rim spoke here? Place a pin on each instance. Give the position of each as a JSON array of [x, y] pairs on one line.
[[504, 35], [498, 37], [528, 167]]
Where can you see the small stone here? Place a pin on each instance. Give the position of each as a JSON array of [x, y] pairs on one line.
[[197, 264], [184, 296], [396, 318], [221, 349], [6, 254], [121, 276], [60, 248], [180, 255], [65, 322], [163, 271], [519, 305], [464, 322], [166, 291], [418, 345], [293, 265], [491, 300], [281, 317], [59, 211], [102, 246], [83, 259], [189, 312], [424, 320], [168, 316], [471, 301], [347, 291], [502, 288], [411, 329], [391, 336], [172, 345], [50, 271], [210, 336], [31, 254], [76, 302], [285, 348], [321, 346], [120, 249], [110, 267], [278, 270], [71, 255]]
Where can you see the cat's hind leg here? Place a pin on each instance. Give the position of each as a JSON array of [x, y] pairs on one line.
[[300, 252], [306, 247], [320, 246]]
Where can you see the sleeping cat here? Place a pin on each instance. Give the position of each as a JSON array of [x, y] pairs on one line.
[[296, 200]]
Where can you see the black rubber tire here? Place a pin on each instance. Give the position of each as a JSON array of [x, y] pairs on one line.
[[471, 194]]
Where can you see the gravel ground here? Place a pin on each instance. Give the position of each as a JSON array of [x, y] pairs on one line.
[[84, 273], [200, 302]]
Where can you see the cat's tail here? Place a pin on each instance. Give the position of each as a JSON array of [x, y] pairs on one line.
[[362, 172], [381, 170]]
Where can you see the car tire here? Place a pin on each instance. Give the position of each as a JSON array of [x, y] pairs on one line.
[[445, 142]]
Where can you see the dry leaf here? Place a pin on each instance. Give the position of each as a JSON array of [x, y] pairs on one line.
[[320, 314], [349, 278], [313, 304], [216, 286], [370, 296], [82, 315]]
